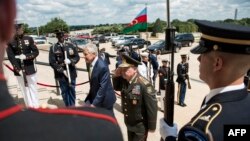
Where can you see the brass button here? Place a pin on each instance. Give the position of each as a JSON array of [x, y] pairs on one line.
[[126, 115], [125, 109], [125, 103]]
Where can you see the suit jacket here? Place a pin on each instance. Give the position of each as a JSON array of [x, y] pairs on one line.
[[226, 108], [107, 56], [101, 93], [63, 124], [26, 47]]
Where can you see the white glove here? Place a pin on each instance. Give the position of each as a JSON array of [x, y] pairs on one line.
[[65, 73], [22, 57], [67, 61], [166, 130]]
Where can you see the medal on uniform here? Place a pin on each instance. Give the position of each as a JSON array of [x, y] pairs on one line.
[[71, 52], [136, 90], [26, 42], [134, 101]]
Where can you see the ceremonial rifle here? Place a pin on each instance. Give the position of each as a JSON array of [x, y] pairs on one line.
[[22, 63], [169, 93], [67, 65]]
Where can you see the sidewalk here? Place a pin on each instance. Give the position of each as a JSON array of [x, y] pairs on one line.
[[48, 95]]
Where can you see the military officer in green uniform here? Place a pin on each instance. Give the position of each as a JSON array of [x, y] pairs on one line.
[[138, 100]]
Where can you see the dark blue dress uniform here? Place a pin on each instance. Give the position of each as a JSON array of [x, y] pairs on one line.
[[165, 71], [72, 124], [56, 60], [22, 45], [226, 108], [139, 105], [182, 74]]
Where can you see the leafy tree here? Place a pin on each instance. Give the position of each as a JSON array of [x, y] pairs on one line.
[[55, 24], [157, 27]]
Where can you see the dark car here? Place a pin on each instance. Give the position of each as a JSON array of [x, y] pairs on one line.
[[185, 39], [136, 42], [160, 45], [79, 43]]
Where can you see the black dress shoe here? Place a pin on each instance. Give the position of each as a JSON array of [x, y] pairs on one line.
[[183, 105]]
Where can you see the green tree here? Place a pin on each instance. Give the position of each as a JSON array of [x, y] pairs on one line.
[[55, 24], [157, 27]]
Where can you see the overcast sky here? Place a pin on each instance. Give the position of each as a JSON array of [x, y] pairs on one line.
[[85, 12]]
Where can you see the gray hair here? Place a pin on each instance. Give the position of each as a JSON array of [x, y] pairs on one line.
[[91, 48]]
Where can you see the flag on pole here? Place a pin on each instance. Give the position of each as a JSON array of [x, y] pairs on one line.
[[139, 22]]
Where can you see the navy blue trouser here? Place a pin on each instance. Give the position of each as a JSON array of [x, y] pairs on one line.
[[183, 88], [68, 92]]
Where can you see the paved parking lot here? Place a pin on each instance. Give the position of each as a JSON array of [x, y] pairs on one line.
[[48, 95]]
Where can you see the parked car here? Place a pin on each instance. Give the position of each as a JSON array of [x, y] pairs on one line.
[[100, 38], [185, 39], [79, 43], [122, 40], [40, 40], [160, 45], [136, 41]]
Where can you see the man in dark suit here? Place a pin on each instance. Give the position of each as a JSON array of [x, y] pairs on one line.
[[28, 124], [101, 93], [224, 59], [105, 56], [61, 55], [138, 101], [22, 52]]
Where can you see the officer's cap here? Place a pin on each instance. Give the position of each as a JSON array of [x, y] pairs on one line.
[[222, 37], [164, 60], [59, 33], [183, 55], [18, 24], [127, 61], [144, 54]]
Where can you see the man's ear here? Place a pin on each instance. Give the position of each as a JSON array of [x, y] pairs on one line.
[[7, 16], [218, 63]]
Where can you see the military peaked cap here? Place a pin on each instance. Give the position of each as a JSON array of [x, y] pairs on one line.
[[59, 33], [222, 37], [183, 55], [127, 61], [18, 24]]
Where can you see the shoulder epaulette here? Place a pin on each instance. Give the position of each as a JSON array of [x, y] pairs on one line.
[[205, 118], [143, 80]]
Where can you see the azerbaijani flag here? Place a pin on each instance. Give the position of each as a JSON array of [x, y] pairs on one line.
[[139, 22]]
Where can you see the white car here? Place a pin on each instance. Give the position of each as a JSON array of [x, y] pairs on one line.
[[40, 40]]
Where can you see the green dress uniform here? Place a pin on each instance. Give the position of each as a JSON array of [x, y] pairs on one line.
[[140, 108]]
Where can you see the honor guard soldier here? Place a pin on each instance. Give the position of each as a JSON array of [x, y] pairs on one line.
[[224, 59], [63, 58], [164, 73], [18, 123], [138, 100], [21, 53], [182, 76]]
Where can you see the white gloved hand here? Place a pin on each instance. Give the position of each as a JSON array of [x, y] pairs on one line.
[[166, 130], [65, 73], [22, 57], [67, 61]]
